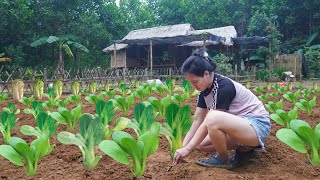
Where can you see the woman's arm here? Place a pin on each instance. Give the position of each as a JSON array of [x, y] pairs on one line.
[[200, 115]]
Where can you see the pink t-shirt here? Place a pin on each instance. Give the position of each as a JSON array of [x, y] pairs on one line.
[[231, 96]]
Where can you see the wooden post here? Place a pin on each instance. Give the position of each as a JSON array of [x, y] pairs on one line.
[[114, 55], [295, 66], [236, 69], [45, 79], [150, 50], [125, 67]]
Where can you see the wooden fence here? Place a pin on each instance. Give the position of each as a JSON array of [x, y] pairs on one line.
[[99, 75], [290, 62]]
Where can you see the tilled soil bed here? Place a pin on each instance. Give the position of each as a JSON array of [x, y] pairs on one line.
[[65, 162]]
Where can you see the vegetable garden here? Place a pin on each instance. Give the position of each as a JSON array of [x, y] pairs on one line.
[[133, 131]]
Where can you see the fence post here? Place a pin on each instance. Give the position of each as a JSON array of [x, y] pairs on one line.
[[45, 79], [124, 74]]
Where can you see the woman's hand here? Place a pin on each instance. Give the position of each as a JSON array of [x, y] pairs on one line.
[[180, 154]]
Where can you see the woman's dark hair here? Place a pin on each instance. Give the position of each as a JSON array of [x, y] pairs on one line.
[[198, 63]]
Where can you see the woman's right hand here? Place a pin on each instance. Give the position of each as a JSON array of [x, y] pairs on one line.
[[180, 154]]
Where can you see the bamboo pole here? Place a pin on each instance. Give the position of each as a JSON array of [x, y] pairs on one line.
[[150, 50], [114, 55]]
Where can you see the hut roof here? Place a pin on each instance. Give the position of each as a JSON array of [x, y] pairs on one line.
[[228, 32], [154, 32]]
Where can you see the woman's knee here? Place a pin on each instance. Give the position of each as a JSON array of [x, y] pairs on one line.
[[214, 119]]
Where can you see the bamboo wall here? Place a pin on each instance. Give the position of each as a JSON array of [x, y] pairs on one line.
[[290, 62]]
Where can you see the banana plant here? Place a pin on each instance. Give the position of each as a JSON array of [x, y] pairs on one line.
[[178, 123], [123, 146], [307, 105], [106, 111], [302, 138], [123, 103], [90, 134], [66, 117]]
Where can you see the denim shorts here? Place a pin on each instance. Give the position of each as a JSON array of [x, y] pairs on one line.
[[261, 124]]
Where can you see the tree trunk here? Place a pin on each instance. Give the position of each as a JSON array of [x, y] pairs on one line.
[[60, 65]]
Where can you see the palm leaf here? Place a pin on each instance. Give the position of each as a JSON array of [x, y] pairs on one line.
[[68, 50], [52, 39], [311, 38], [39, 41], [79, 46]]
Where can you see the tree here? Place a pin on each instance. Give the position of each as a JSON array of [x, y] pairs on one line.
[[63, 42]]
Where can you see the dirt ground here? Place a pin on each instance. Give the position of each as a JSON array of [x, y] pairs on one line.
[[65, 162]]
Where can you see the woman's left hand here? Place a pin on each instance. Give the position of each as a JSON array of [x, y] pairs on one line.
[[180, 154]]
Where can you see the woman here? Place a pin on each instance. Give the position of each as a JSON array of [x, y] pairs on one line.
[[228, 116]]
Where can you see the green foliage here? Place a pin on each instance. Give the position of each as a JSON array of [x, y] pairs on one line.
[[7, 123], [178, 123], [3, 97], [262, 75], [57, 86], [160, 105], [283, 118], [36, 109], [223, 64], [123, 103], [66, 117], [27, 101], [307, 105], [272, 107], [90, 134], [302, 138], [123, 145], [292, 97]]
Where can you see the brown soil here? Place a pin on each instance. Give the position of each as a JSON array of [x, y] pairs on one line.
[[65, 162]]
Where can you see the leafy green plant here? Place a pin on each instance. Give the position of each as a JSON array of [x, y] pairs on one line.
[[123, 103], [276, 86], [106, 111], [259, 90], [292, 97], [74, 98], [141, 93], [302, 138], [307, 105], [283, 118], [315, 86], [36, 109], [160, 105], [92, 87], [11, 108], [177, 98], [7, 124], [111, 93], [248, 84], [63, 103], [57, 86], [290, 86], [46, 126], [75, 87], [20, 153], [283, 90], [37, 87], [274, 94], [66, 117], [27, 101], [272, 107], [143, 119], [186, 90], [17, 89], [170, 86], [264, 97], [90, 134], [3, 97], [160, 89], [123, 90], [178, 123], [51, 103], [106, 87], [269, 86], [123, 145], [93, 99], [306, 93]]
